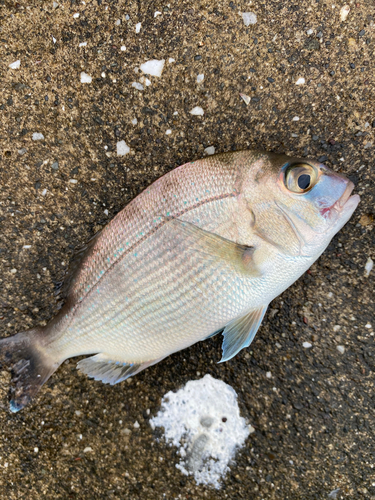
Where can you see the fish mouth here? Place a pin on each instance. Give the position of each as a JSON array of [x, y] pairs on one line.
[[346, 202]]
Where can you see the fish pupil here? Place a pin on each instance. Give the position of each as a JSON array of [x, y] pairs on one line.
[[304, 181]]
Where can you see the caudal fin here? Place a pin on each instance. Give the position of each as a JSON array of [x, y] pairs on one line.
[[30, 367]]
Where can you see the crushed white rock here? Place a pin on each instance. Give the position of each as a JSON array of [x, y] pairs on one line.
[[138, 27], [37, 136], [249, 18], [344, 12], [134, 121], [82, 44], [122, 148], [197, 111], [341, 349], [200, 78], [85, 78], [210, 150], [15, 64], [154, 67], [203, 420], [300, 81]]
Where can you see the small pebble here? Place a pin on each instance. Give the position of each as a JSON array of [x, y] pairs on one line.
[[13, 271], [300, 81], [137, 86], [88, 449], [37, 136], [76, 15], [36, 449], [118, 22], [26, 246], [341, 349], [122, 148], [200, 78], [368, 325], [15, 64], [336, 328], [249, 18], [136, 425], [210, 150], [138, 27], [153, 67], [123, 48], [82, 44], [73, 181], [171, 60], [245, 98], [295, 119], [134, 121], [168, 132], [157, 13], [307, 345], [368, 267], [344, 12], [85, 78], [309, 31], [197, 111], [269, 375]]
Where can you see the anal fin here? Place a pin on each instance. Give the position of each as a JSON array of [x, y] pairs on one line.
[[103, 367], [240, 332]]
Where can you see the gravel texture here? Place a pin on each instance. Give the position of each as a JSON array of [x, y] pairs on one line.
[[62, 113]]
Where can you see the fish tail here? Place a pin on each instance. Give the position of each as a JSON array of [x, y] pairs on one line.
[[30, 366]]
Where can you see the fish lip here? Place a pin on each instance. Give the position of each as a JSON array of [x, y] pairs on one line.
[[340, 203]]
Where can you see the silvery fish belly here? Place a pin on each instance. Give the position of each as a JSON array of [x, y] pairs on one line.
[[203, 250]]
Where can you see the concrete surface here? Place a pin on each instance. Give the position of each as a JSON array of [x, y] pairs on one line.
[[314, 418]]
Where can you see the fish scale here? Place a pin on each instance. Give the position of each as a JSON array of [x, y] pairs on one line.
[[204, 248]]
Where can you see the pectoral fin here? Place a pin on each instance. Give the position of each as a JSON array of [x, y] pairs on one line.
[[214, 247], [239, 333]]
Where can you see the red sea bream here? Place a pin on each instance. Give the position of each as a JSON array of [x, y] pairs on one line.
[[204, 249]]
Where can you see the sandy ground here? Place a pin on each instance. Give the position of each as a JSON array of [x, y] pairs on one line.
[[314, 418]]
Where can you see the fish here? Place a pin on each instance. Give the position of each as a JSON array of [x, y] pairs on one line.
[[201, 251]]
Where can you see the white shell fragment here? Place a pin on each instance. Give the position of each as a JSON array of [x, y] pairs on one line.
[[295, 119], [137, 86], [200, 78], [245, 98], [210, 150], [300, 81], [15, 64], [344, 12], [154, 67], [307, 345], [203, 420], [138, 27], [249, 18], [341, 349], [37, 136], [85, 78], [122, 148], [368, 266], [197, 111], [82, 44]]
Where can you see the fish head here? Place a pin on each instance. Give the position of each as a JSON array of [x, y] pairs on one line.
[[307, 203]]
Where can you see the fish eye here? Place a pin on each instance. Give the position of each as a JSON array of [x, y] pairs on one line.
[[300, 178]]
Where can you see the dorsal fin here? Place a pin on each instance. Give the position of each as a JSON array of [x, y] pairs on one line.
[[62, 288]]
